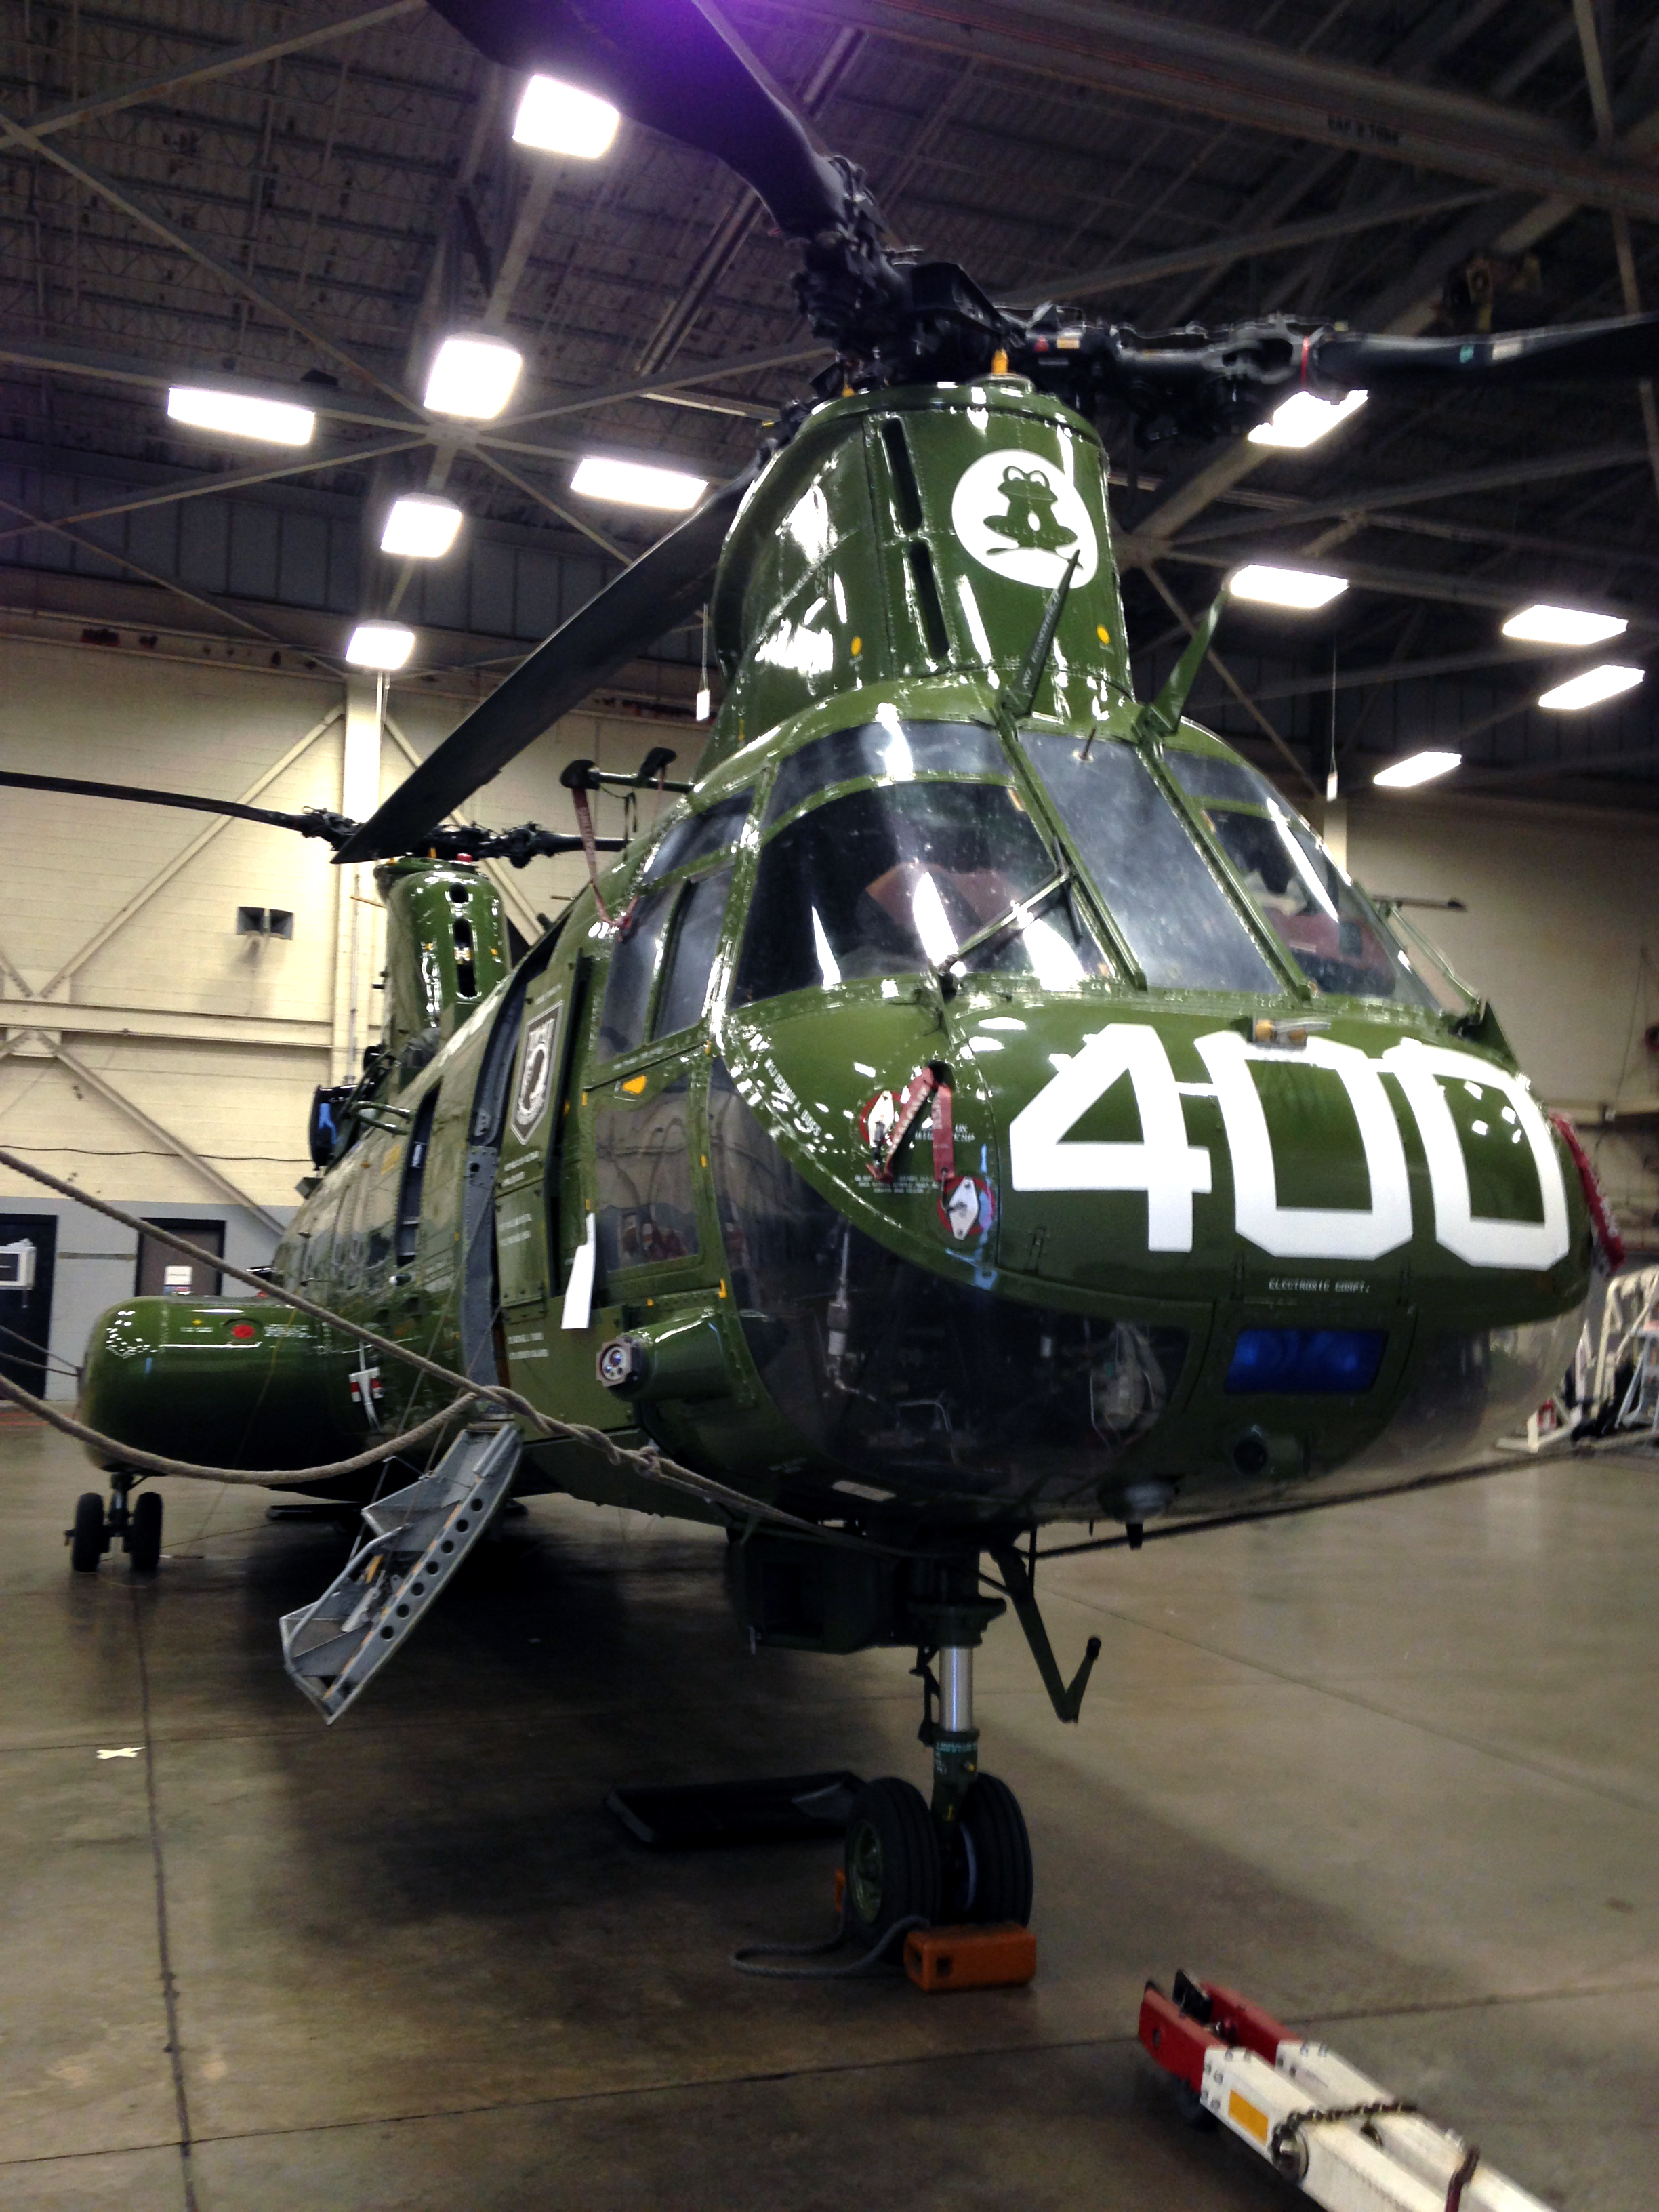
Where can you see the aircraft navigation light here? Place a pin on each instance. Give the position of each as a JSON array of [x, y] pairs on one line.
[[1285, 587], [385, 646], [636, 484], [273, 422], [421, 528], [556, 119], [1538, 624], [1588, 689], [1416, 767], [473, 377], [1303, 421]]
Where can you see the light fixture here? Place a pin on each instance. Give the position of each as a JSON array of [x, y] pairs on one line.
[[1303, 421], [421, 528], [472, 377], [1285, 587], [378, 645], [636, 484], [1590, 689], [1544, 625], [273, 422], [556, 119], [1416, 767]]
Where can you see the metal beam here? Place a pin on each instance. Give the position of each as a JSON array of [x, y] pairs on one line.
[[226, 63], [1119, 277], [263, 1030], [167, 583], [199, 485], [164, 1137], [1536, 771], [1174, 61], [1475, 591], [1231, 682], [118, 195], [182, 859], [1382, 673], [1460, 484]]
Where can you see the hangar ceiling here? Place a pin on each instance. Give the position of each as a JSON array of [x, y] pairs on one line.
[[297, 196]]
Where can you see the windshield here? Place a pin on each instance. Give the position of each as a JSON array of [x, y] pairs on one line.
[[894, 751], [1330, 930], [1174, 916], [890, 882]]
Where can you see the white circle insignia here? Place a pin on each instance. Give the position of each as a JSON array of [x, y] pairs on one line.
[[1020, 516]]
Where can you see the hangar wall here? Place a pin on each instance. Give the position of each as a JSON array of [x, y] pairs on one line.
[[164, 1061], [148, 1052], [1562, 934]]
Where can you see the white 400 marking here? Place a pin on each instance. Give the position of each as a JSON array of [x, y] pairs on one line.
[[1171, 1171]]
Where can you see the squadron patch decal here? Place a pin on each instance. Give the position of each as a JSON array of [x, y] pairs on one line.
[[1022, 517], [535, 1075]]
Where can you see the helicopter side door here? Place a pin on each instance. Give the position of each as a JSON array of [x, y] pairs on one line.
[[641, 1186], [527, 1186]]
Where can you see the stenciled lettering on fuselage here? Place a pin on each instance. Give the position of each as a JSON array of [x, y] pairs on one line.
[[1172, 1172]]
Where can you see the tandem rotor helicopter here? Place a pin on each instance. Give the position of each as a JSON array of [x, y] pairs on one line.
[[980, 1105]]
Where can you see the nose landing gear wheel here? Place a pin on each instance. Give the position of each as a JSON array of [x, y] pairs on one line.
[[86, 1539], [990, 1876], [893, 1860], [144, 1536]]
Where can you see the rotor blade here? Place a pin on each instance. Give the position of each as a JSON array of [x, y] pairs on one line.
[[1626, 345], [317, 823], [674, 66], [662, 588]]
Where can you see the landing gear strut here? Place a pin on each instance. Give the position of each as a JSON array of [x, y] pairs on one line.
[[965, 1857], [138, 1528]]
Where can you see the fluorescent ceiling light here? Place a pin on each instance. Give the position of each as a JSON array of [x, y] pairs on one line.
[[1595, 685], [558, 120], [636, 483], [380, 644], [420, 528], [1416, 767], [1544, 625], [272, 421], [472, 377], [1285, 587], [1302, 420]]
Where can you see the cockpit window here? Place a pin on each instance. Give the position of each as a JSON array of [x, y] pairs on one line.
[[698, 836], [898, 751], [891, 882], [633, 964], [1177, 920], [1328, 928]]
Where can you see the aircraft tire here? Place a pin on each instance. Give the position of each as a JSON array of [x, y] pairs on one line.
[[892, 1859], [145, 1537], [992, 1878], [87, 1537]]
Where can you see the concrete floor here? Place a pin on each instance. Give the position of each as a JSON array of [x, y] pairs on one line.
[[1393, 1770]]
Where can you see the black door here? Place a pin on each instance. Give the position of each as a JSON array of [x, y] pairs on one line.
[[28, 1246], [163, 1272]]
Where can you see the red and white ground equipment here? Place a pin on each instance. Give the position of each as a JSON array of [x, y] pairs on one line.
[[1340, 2137]]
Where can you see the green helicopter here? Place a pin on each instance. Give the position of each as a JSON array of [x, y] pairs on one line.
[[980, 1105]]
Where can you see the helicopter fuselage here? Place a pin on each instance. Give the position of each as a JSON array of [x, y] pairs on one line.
[[976, 1104]]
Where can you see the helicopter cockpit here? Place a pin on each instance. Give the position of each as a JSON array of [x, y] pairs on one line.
[[1332, 933], [891, 849]]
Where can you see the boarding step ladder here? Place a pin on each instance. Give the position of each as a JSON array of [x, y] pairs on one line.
[[333, 1649], [1641, 1408], [1343, 2140]]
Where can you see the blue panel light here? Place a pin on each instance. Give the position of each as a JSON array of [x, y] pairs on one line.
[[1301, 1360]]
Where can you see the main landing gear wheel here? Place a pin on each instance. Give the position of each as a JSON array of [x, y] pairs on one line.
[[87, 1536], [144, 1535], [893, 1860], [990, 1876]]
